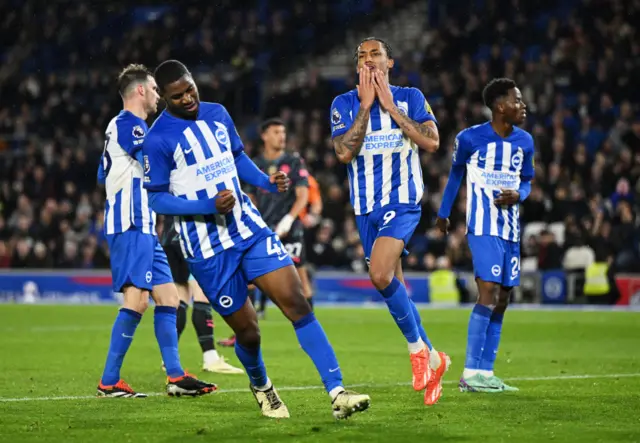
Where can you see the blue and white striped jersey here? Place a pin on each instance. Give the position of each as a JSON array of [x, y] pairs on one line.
[[127, 205], [387, 170], [194, 160], [493, 163]]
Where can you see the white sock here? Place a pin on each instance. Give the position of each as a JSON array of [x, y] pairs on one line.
[[485, 373], [335, 391], [434, 359], [264, 387], [417, 346], [210, 356], [467, 373]]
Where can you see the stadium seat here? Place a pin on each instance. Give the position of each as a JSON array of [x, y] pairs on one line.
[[529, 264], [533, 229], [557, 229]]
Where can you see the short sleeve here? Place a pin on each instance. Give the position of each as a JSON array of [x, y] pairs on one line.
[[419, 109], [131, 135], [341, 118], [157, 163], [236, 143], [461, 149], [299, 175], [528, 165]]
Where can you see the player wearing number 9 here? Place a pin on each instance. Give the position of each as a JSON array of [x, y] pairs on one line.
[[378, 131]]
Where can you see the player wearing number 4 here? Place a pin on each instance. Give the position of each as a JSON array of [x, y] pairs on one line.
[[498, 157], [194, 161], [377, 132]]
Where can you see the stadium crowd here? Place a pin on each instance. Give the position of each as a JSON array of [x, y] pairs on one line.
[[575, 62]]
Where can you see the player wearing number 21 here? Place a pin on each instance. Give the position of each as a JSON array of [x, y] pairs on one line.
[[377, 132], [194, 161], [498, 158]]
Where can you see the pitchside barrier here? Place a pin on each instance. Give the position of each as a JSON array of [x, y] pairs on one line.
[[92, 287]]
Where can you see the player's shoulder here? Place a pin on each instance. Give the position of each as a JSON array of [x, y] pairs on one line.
[[213, 110], [126, 122], [347, 97], [405, 91], [293, 158], [524, 135]]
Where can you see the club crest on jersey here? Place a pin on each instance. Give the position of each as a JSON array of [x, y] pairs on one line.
[[137, 131], [335, 116], [222, 135], [516, 159], [403, 107]]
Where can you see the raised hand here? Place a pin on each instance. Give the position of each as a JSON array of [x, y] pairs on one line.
[[383, 91], [366, 89]]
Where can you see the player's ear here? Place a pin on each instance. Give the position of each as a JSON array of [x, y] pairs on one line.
[[390, 63], [140, 89]]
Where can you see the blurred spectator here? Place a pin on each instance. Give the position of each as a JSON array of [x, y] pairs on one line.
[[576, 66]]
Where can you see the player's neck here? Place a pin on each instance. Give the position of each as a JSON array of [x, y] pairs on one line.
[[272, 154], [502, 128], [136, 109]]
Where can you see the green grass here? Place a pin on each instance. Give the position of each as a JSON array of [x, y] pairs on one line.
[[54, 351]]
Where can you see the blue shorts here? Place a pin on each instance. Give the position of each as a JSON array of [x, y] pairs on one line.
[[495, 259], [138, 260], [397, 221], [225, 276]]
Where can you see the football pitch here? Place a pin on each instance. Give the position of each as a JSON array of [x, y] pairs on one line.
[[579, 375]]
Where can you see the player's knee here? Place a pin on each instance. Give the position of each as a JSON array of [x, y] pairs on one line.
[[488, 293], [381, 278], [295, 306], [135, 299], [166, 295], [249, 337], [503, 299]]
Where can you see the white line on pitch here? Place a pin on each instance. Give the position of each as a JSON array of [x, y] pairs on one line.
[[358, 385]]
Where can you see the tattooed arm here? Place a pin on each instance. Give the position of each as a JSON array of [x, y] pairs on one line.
[[348, 145], [425, 135]]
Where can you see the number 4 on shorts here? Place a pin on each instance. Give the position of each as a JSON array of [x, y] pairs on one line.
[[274, 247]]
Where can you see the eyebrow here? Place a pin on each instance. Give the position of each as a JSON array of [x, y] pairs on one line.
[[180, 94]]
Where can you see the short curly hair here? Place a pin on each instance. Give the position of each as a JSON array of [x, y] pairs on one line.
[[496, 88], [168, 72]]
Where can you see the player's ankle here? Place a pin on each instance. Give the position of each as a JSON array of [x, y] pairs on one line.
[[210, 356], [335, 392], [468, 373], [434, 359], [416, 346], [264, 387]]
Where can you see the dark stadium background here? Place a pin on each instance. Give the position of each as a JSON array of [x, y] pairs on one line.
[[576, 61]]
